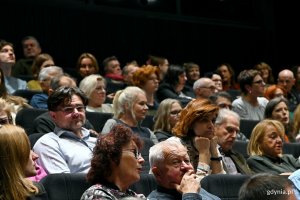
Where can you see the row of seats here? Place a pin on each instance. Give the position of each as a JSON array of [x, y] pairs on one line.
[[72, 186], [26, 116]]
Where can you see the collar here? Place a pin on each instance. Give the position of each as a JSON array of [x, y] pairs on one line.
[[172, 192], [67, 133]]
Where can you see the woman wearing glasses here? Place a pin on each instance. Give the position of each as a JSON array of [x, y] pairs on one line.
[[166, 117], [251, 105], [116, 164]]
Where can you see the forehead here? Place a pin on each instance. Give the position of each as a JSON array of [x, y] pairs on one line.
[[7, 47], [223, 100], [231, 121], [175, 151]]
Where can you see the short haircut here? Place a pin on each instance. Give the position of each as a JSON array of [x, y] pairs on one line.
[[44, 73], [62, 96], [267, 187], [224, 114], [89, 83], [246, 77], [214, 97]]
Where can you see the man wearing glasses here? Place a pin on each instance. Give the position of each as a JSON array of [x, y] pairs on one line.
[[68, 149]]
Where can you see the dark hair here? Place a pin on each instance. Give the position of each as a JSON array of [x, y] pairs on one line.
[[246, 77], [3, 90], [107, 60], [172, 76], [4, 43], [108, 150], [263, 185], [223, 94], [63, 95], [272, 104]]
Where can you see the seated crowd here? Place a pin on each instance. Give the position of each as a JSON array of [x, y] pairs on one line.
[[194, 124]]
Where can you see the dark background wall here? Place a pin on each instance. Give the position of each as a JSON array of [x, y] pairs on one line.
[[207, 32]]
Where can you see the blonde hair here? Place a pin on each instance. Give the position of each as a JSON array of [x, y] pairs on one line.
[[126, 98], [14, 156], [258, 133], [89, 84]]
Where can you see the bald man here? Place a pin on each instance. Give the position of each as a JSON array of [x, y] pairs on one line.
[[287, 80], [204, 88]]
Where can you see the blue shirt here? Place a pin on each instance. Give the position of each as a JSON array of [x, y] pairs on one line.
[[39, 101], [62, 151], [295, 178], [12, 84]]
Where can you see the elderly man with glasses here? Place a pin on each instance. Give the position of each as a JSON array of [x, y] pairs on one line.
[[68, 149]]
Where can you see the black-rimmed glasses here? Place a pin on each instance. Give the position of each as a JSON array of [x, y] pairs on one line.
[[136, 153]]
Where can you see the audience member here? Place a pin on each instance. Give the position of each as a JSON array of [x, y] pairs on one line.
[[165, 118], [130, 108], [16, 103], [251, 105], [7, 62], [192, 71], [45, 77], [227, 128], [196, 130], [174, 173], [204, 87], [41, 61], [128, 71], [287, 80], [31, 49], [147, 78], [295, 178], [296, 124], [44, 123], [161, 62], [68, 149], [217, 79], [226, 71], [296, 72], [116, 164], [277, 109], [5, 112], [222, 99], [113, 75], [173, 86], [17, 163], [86, 65], [94, 87], [265, 72], [265, 149], [273, 91], [268, 187]]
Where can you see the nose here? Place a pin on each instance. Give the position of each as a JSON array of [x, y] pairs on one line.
[[34, 156], [184, 165], [141, 159]]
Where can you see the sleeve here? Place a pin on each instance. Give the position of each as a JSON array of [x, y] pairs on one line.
[[257, 166], [50, 156], [108, 126], [239, 108]]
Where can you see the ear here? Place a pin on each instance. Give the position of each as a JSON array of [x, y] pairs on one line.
[[50, 91], [248, 88], [52, 115], [156, 172]]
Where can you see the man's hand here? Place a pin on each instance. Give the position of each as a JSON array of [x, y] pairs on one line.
[[189, 183]]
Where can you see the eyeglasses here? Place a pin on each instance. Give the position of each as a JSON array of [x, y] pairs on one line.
[[136, 153], [70, 109], [6, 120], [258, 82], [175, 112]]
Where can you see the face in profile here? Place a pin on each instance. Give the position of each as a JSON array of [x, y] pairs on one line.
[[30, 169], [140, 107]]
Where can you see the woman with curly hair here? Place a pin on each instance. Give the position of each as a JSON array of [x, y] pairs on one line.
[[17, 163], [116, 164], [196, 129]]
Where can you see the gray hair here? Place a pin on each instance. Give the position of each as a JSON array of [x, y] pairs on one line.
[[223, 115], [89, 83], [44, 73], [156, 152], [201, 82]]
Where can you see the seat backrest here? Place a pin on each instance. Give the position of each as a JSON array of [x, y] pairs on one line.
[[71, 186], [27, 94], [145, 154], [241, 147], [148, 122], [225, 186], [145, 185], [292, 148], [25, 117], [65, 186], [34, 137], [246, 126], [98, 119]]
